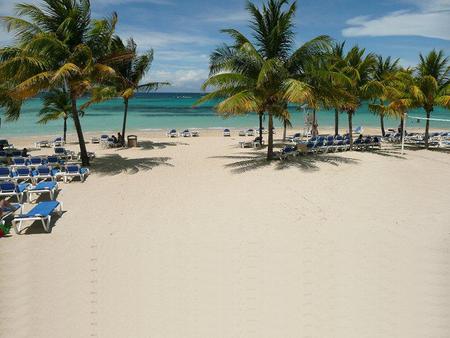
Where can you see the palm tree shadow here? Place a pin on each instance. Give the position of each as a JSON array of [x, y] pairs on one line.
[[312, 162], [114, 164], [246, 162], [150, 145], [388, 153]]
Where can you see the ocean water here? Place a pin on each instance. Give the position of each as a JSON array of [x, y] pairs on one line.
[[161, 111]]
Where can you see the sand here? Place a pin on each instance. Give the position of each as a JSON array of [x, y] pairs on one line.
[[196, 237]]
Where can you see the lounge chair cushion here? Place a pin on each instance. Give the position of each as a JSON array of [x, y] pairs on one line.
[[43, 209]]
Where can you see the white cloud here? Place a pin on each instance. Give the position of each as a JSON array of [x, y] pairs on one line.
[[151, 39], [188, 79], [430, 20], [234, 16]]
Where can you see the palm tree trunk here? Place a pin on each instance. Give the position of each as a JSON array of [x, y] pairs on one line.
[[401, 128], [350, 128], [76, 120], [65, 129], [260, 125], [125, 113], [383, 132], [427, 129], [284, 130], [336, 122], [270, 138]]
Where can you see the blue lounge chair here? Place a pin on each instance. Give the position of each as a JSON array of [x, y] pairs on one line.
[[43, 187], [23, 174], [62, 153], [58, 142], [54, 161], [44, 173], [5, 173], [8, 211], [42, 212], [288, 151], [3, 156], [19, 161], [226, 132], [10, 189], [172, 133], [16, 153], [74, 170], [36, 161]]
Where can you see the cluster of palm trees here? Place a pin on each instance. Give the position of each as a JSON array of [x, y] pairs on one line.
[[264, 74], [59, 49]]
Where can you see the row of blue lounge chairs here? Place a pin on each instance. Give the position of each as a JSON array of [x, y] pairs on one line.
[[325, 144], [24, 193], [43, 172]]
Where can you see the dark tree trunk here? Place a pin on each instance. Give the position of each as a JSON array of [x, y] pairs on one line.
[[284, 130], [125, 113], [383, 132], [260, 126], [76, 120], [350, 127], [427, 128], [65, 129], [401, 128], [336, 122], [270, 138]]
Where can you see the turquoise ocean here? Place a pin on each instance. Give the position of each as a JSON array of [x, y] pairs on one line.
[[161, 111]]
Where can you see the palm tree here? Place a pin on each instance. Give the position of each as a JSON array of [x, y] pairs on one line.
[[255, 77], [358, 68], [335, 58], [431, 86], [385, 75], [129, 74], [58, 48], [56, 106]]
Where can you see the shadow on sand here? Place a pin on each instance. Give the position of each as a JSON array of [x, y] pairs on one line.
[[252, 161], [36, 227], [114, 164]]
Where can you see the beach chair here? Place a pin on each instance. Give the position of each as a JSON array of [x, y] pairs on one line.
[[250, 132], [13, 189], [185, 133], [54, 161], [358, 130], [42, 212], [41, 144], [226, 133], [172, 133], [22, 174], [3, 156], [242, 133], [95, 140], [258, 142], [5, 173], [246, 144], [195, 133], [35, 161], [288, 151], [19, 161], [90, 154], [74, 170], [58, 142], [63, 154], [295, 137], [45, 187], [104, 138], [6, 144], [44, 173], [9, 210]]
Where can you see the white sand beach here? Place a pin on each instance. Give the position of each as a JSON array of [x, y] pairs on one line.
[[195, 237]]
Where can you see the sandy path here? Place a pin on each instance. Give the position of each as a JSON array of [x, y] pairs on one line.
[[200, 239]]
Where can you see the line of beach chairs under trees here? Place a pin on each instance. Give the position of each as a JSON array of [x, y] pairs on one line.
[[61, 50], [28, 179]]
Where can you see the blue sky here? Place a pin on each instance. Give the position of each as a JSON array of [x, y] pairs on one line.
[[183, 33]]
